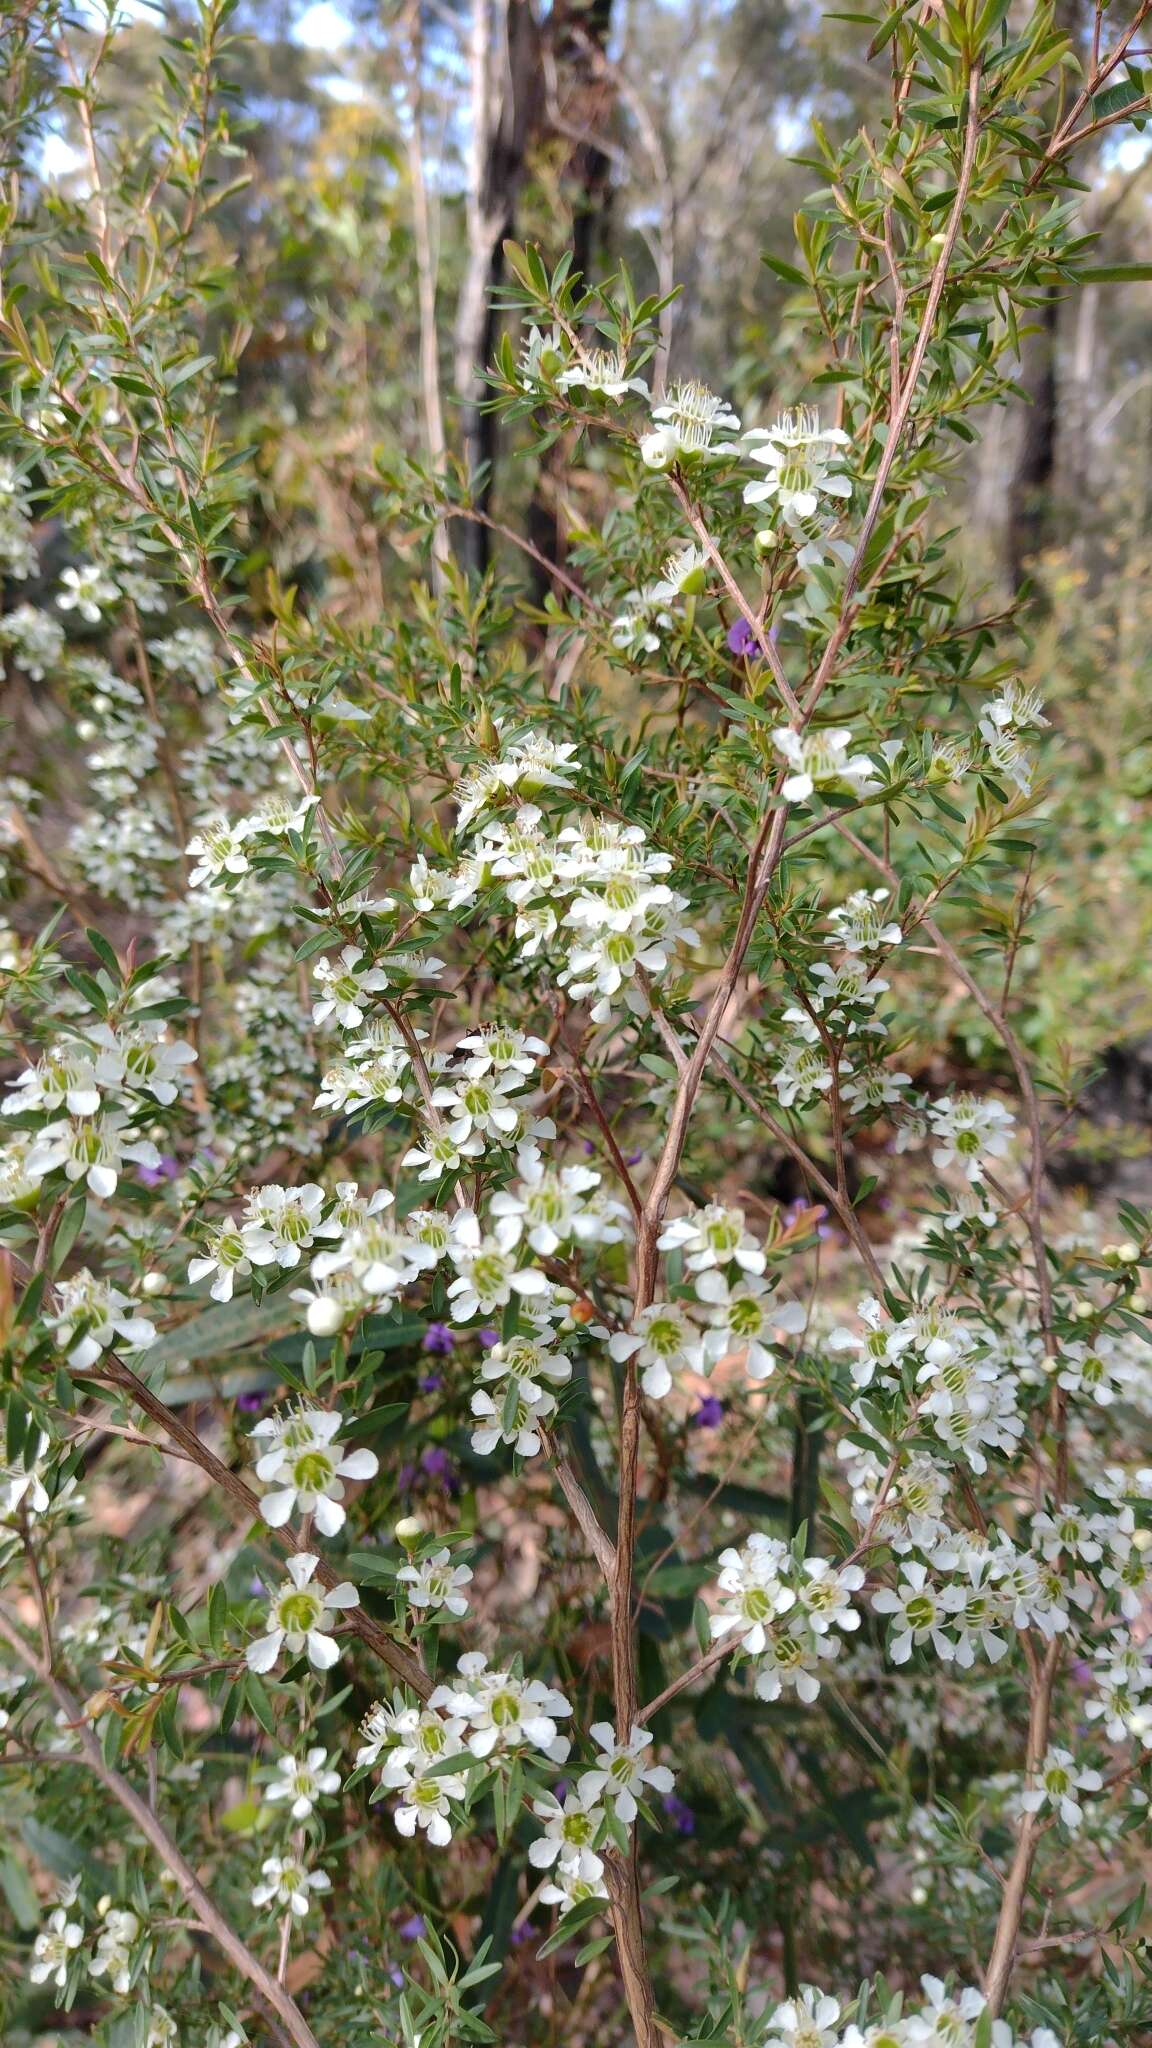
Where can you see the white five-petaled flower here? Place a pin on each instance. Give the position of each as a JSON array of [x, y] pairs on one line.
[[218, 849], [744, 1317], [91, 1150], [801, 462], [303, 1782], [91, 1314], [1056, 1784], [822, 759], [685, 423], [969, 1131], [505, 1712], [287, 1882], [225, 1256], [53, 1949], [662, 1339], [602, 371], [86, 590], [810, 2020], [921, 1613], [436, 1582], [623, 1769], [301, 1617], [347, 984], [306, 1467], [570, 1830]]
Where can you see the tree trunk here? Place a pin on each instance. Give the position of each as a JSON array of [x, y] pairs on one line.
[[507, 102]]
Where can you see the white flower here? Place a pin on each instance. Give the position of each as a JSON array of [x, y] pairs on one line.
[[743, 1318], [921, 1613], [283, 812], [947, 2022], [436, 1582], [622, 1769], [53, 1949], [685, 574], [515, 1419], [713, 1236], [161, 2030], [1057, 1783], [439, 1152], [300, 1617], [501, 1048], [139, 1057], [114, 1946], [307, 1466], [304, 1782], [281, 1223], [686, 421], [90, 1315], [821, 760], [86, 590], [809, 2021], [346, 983], [1100, 1370], [567, 1889], [602, 371], [569, 1833], [505, 1712], [426, 1804], [528, 765], [21, 1486], [92, 1151], [225, 1255], [487, 1275], [969, 1130], [479, 1102], [544, 1206], [661, 1340], [824, 1593], [858, 923], [751, 1581], [287, 1882], [65, 1078], [218, 849], [802, 464]]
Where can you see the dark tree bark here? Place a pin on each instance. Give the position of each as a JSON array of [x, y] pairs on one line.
[[507, 105], [1030, 493], [585, 99]]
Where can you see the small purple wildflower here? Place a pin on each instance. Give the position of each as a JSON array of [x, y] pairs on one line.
[[414, 1928], [151, 1176], [488, 1338], [682, 1817], [438, 1338], [710, 1413], [742, 640], [430, 1382], [251, 1403]]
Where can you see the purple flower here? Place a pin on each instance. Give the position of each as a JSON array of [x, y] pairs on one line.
[[682, 1817], [152, 1176], [488, 1338], [250, 1404], [412, 1929], [742, 640], [430, 1382], [710, 1413], [439, 1338]]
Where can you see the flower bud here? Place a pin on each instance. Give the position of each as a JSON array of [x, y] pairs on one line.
[[155, 1283], [408, 1530], [325, 1316]]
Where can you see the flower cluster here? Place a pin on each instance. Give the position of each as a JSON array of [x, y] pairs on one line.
[[782, 1610]]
